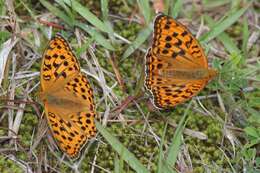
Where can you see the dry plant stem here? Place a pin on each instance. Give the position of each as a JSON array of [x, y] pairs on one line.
[[123, 18], [253, 39], [94, 161], [97, 72], [5, 60], [19, 101], [100, 167], [11, 11], [134, 13], [78, 162], [147, 124], [124, 104], [18, 117], [11, 96], [41, 131], [20, 112], [52, 24], [158, 6], [105, 118], [128, 42], [114, 65], [24, 165], [184, 156]]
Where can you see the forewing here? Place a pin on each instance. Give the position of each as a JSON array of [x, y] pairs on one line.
[[173, 41], [58, 63]]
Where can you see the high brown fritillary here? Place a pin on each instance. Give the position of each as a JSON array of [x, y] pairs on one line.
[[67, 97], [176, 66]]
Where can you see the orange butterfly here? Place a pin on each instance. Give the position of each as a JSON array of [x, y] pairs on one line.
[[67, 97], [176, 66]]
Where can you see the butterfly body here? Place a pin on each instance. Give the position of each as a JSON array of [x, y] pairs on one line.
[[188, 74], [176, 66], [67, 97], [65, 105]]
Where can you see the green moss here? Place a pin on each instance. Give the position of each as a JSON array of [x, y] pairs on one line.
[[7, 166], [146, 149], [28, 124]]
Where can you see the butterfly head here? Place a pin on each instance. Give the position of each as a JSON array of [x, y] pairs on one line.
[[212, 73], [41, 96]]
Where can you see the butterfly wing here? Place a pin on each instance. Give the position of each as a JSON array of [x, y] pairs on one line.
[[173, 48], [67, 97], [71, 135], [58, 63], [174, 43], [168, 96]]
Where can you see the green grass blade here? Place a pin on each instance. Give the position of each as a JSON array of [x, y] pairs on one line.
[[145, 9], [104, 9], [4, 35], [167, 4], [84, 47], [221, 26], [162, 166], [132, 161], [161, 154], [224, 38], [96, 35], [116, 165], [140, 39], [67, 9], [228, 43], [176, 141], [215, 4], [245, 37], [41, 27], [85, 13], [174, 11], [57, 12]]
